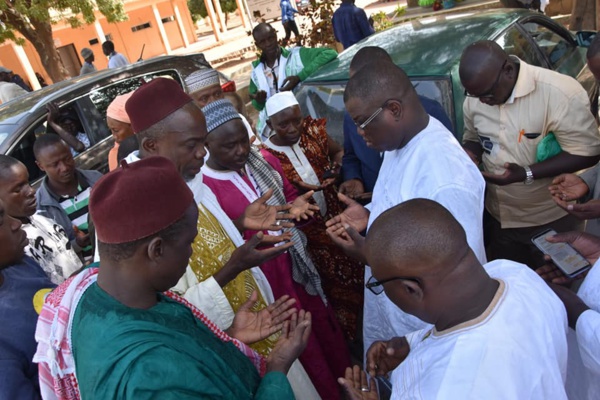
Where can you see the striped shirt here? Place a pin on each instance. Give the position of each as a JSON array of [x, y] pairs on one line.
[[76, 208]]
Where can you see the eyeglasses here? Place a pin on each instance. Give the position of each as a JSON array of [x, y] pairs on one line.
[[490, 93], [376, 287], [373, 116]]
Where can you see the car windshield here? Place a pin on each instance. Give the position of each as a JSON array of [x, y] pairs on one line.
[[327, 101]]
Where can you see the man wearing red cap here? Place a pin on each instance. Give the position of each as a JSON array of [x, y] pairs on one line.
[[126, 331], [221, 275]]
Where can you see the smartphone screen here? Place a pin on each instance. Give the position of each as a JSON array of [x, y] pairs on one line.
[[565, 257]]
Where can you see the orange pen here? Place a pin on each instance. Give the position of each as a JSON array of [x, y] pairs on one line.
[[521, 134]]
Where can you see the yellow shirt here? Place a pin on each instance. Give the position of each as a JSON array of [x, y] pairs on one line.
[[542, 101], [211, 250]]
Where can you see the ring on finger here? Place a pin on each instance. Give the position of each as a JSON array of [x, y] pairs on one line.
[[278, 223], [365, 389]]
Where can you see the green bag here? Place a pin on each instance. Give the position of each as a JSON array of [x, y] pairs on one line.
[[547, 148]]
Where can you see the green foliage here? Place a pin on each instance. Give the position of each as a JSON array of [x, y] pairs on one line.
[[381, 21], [29, 16], [198, 8], [319, 30]]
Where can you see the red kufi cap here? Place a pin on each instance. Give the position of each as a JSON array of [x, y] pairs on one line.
[[155, 101], [138, 200]]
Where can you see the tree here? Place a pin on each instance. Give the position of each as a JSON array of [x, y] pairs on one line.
[[33, 20], [583, 16], [198, 8]]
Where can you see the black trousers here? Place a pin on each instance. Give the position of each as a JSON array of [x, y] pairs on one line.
[[290, 26], [515, 243]]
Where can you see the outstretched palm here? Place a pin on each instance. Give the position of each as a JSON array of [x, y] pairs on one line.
[[253, 326]]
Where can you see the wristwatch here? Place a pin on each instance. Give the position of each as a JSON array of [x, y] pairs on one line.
[[528, 175]]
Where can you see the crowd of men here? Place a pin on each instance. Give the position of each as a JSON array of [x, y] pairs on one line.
[[225, 259]]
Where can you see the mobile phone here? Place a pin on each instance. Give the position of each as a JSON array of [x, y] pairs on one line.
[[563, 255]]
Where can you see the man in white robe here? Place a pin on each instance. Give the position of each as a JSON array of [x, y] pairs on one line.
[[422, 160], [498, 332], [583, 311]]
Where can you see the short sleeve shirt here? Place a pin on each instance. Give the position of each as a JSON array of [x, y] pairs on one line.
[[542, 101]]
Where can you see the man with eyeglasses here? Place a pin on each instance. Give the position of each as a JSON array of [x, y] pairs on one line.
[[510, 111], [498, 332], [422, 159], [361, 164]]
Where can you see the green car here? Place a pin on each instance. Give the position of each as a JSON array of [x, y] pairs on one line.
[[429, 51]]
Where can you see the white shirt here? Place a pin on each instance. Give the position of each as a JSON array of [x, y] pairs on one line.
[[116, 60], [583, 373], [50, 247], [9, 91], [517, 349], [432, 166]]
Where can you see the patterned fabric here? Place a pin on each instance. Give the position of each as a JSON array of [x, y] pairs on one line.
[[83, 138], [342, 277], [210, 251], [54, 353], [76, 208], [202, 79], [304, 271], [218, 112]]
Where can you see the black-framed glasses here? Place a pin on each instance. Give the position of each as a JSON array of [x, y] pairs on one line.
[[376, 287], [490, 93], [373, 116]]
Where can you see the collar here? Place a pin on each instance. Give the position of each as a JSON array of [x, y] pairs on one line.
[[80, 181], [525, 83]]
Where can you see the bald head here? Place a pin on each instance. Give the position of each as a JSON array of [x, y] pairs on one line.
[[368, 55], [488, 73], [381, 81], [479, 57], [262, 28], [416, 238]]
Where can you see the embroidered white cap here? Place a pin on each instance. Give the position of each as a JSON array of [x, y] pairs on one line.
[[280, 101]]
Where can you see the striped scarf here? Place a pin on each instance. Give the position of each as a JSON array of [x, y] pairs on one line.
[[58, 380], [304, 271]]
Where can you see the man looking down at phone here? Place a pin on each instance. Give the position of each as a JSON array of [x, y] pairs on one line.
[[422, 160], [310, 159], [583, 312], [498, 332], [514, 113]]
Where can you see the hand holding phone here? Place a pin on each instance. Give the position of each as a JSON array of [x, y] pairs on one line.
[[563, 255]]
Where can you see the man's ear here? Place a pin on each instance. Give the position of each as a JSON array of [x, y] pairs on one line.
[[156, 249], [39, 166], [413, 289], [396, 108], [150, 146]]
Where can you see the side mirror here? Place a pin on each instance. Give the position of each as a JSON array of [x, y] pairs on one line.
[[584, 38]]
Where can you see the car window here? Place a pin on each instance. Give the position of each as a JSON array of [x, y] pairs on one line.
[[23, 151], [516, 43], [102, 97], [327, 101], [553, 45]]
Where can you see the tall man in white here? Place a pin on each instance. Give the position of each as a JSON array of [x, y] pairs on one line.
[[422, 160]]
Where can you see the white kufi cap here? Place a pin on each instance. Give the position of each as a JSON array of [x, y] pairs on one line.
[[280, 101]]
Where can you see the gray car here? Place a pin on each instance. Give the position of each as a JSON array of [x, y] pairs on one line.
[[23, 119]]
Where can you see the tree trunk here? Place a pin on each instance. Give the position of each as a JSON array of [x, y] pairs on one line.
[[583, 16], [39, 33], [43, 42]]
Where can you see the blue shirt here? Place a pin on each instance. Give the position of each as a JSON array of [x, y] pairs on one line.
[[287, 11], [362, 162], [350, 25], [18, 318]]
